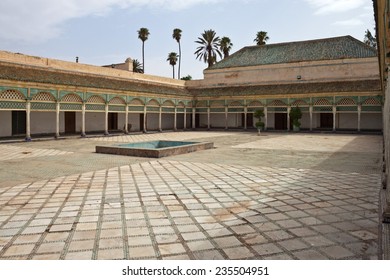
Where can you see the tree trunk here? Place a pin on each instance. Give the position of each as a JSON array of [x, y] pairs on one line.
[[173, 67], [143, 56], [178, 72]]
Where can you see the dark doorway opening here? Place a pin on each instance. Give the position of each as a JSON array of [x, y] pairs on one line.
[[18, 122], [197, 121], [70, 122], [112, 121], [249, 120], [280, 121], [141, 122], [326, 120]]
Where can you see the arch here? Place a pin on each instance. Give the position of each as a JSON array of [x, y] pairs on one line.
[[346, 101], [299, 102], [235, 104], [117, 100], [136, 102], [201, 104], [277, 103], [44, 96], [256, 103], [371, 101], [181, 104], [96, 99], [322, 102], [12, 94], [153, 102], [217, 103], [168, 103], [71, 97]]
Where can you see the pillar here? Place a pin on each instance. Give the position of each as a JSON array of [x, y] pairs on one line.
[[28, 120], [265, 118], [83, 120], [57, 120], [245, 117], [106, 120], [226, 117], [175, 120], [208, 118], [311, 117], [127, 119], [359, 116], [193, 117], [288, 118], [334, 117], [160, 119], [145, 122], [185, 117]]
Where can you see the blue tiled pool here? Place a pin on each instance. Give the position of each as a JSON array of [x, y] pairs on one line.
[[155, 149]]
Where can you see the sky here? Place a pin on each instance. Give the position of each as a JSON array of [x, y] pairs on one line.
[[103, 32]]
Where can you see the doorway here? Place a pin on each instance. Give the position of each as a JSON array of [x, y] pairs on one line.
[[280, 121], [112, 121], [18, 122], [326, 120], [70, 122]]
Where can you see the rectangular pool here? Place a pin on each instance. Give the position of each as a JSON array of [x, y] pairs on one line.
[[154, 149]]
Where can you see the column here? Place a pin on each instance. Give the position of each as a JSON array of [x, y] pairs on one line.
[[288, 118], [226, 116], [175, 120], [359, 116], [28, 120], [311, 117], [106, 120], [83, 120], [334, 117], [57, 120], [245, 117], [160, 119], [265, 118], [208, 118], [145, 122], [185, 117], [193, 117], [127, 119]]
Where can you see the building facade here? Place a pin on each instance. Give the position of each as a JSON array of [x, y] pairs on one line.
[[335, 82]]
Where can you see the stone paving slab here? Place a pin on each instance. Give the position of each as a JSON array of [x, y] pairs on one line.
[[11, 152], [250, 198], [170, 209]]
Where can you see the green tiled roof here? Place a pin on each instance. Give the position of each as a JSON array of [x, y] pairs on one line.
[[291, 89], [322, 49], [40, 75]]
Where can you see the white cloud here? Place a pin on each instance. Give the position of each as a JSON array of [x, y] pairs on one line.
[[334, 6], [39, 20], [349, 23]]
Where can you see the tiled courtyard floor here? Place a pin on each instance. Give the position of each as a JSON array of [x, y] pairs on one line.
[[275, 196]]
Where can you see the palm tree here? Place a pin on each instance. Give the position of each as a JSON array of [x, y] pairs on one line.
[[172, 58], [137, 66], [209, 48], [225, 46], [177, 36], [143, 35], [261, 38]]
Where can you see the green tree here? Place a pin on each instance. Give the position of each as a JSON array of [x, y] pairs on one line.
[[177, 36], [209, 47], [259, 114], [295, 116], [172, 58], [261, 38], [369, 39], [187, 78], [143, 35], [225, 46], [137, 66]]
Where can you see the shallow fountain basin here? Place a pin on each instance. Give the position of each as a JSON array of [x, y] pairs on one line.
[[154, 149]]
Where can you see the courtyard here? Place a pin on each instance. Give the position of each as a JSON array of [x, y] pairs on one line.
[[274, 196]]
